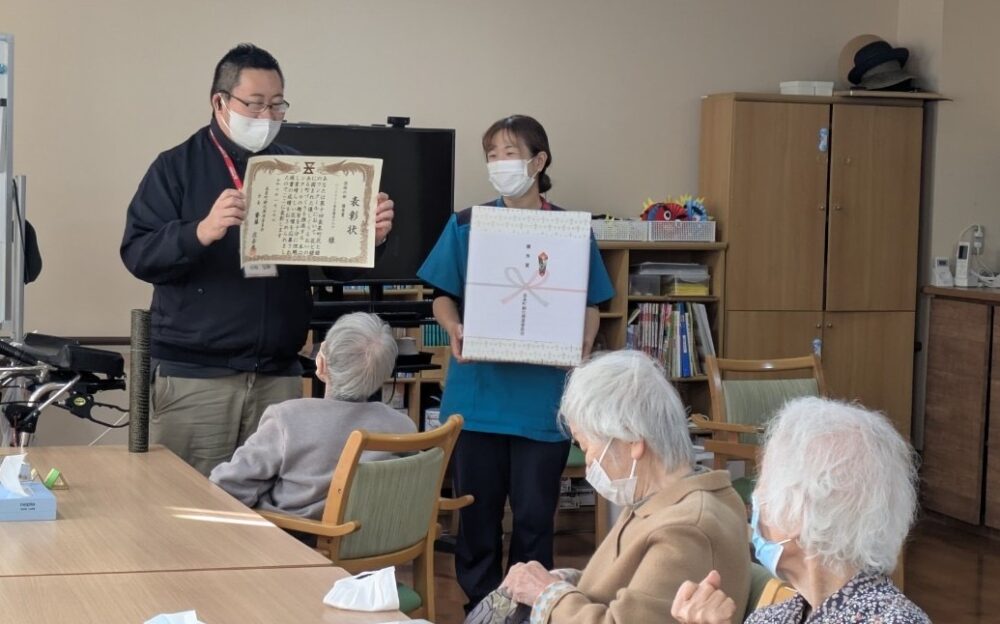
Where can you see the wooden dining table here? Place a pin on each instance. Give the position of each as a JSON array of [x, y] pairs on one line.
[[141, 512], [268, 595], [141, 534]]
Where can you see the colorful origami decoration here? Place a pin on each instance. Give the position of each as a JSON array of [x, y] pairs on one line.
[[684, 208]]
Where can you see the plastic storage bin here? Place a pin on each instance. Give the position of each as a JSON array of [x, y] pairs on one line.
[[702, 231], [626, 230]]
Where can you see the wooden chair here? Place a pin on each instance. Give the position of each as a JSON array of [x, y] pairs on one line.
[[384, 513], [741, 407], [765, 590]]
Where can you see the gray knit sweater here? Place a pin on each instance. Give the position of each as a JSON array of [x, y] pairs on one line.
[[287, 464]]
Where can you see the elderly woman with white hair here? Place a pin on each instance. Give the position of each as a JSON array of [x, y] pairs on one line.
[[677, 521], [287, 464], [833, 504]]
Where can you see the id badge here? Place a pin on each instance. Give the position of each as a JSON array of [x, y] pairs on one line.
[[260, 270]]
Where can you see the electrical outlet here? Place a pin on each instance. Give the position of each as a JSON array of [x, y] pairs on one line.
[[978, 239]]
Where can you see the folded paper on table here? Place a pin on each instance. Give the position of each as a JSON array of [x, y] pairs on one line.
[[526, 286], [368, 591], [182, 617]]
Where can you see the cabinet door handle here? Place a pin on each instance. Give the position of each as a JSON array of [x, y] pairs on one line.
[[836, 206], [829, 324], [847, 160], [819, 325], [822, 207]]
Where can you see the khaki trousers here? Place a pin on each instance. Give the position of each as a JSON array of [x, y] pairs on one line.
[[204, 421]]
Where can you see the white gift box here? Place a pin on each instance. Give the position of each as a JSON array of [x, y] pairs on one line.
[[526, 286]]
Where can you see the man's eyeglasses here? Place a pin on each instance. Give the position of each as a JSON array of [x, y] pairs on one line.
[[259, 107]]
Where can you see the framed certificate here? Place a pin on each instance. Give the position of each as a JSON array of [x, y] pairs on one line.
[[313, 210]]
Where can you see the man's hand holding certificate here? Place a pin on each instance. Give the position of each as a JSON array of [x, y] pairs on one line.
[[315, 210]]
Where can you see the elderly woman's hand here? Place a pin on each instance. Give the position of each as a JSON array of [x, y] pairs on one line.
[[703, 603], [525, 582]]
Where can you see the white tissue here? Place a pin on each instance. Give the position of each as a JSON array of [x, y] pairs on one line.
[[368, 591], [10, 474], [183, 617]]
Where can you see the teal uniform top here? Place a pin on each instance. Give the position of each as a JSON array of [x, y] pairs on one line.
[[500, 397]]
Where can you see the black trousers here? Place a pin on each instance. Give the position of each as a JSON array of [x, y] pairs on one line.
[[493, 467]]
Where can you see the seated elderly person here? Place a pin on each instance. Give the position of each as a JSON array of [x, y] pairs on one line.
[[834, 501], [677, 521], [287, 464]]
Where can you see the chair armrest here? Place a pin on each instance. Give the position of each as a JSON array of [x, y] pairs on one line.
[[314, 527], [703, 423], [451, 504]]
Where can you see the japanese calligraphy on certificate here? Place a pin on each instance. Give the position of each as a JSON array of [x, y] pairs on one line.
[[526, 286], [317, 210]]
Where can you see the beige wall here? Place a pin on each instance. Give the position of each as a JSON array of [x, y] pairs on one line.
[[955, 46], [967, 154], [101, 87]]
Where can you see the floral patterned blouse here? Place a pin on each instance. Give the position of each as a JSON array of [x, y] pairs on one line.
[[869, 598]]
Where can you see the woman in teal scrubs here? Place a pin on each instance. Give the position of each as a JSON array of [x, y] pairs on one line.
[[511, 445]]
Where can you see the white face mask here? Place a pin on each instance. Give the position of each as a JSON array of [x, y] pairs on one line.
[[510, 177], [621, 492], [251, 133]]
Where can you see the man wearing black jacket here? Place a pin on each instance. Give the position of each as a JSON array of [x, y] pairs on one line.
[[224, 344]]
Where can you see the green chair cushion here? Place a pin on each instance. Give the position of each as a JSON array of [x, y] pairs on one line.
[[759, 576], [409, 600], [393, 501], [744, 487], [756, 401], [576, 457]]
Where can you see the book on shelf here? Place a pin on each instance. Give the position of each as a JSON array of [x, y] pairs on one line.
[[434, 335], [678, 335]]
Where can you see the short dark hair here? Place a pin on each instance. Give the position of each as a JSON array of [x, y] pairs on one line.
[[243, 56], [532, 133]]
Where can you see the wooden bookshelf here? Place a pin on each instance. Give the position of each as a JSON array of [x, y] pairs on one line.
[[618, 257], [669, 298]]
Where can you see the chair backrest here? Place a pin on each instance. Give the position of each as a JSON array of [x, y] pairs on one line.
[[765, 590], [395, 501], [755, 401]]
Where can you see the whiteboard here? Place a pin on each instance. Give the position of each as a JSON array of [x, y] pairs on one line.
[[6, 180]]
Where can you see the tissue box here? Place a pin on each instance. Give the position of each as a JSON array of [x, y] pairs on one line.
[[40, 504], [526, 286], [806, 87]]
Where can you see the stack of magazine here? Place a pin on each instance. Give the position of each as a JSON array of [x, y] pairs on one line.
[[677, 334]]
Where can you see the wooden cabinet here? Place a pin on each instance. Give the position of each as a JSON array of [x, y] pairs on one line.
[[775, 190], [771, 334], [868, 357], [819, 201], [960, 471], [875, 156]]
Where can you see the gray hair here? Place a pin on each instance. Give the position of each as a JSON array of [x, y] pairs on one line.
[[842, 479], [625, 395], [360, 354]]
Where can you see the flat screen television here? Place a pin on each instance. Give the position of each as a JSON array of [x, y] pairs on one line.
[[418, 173]]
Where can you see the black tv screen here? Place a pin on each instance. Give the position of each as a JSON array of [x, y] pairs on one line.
[[418, 173]]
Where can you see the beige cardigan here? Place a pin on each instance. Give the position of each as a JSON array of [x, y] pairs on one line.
[[682, 533]]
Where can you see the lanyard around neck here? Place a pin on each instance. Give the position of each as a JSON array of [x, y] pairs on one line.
[[237, 182]]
